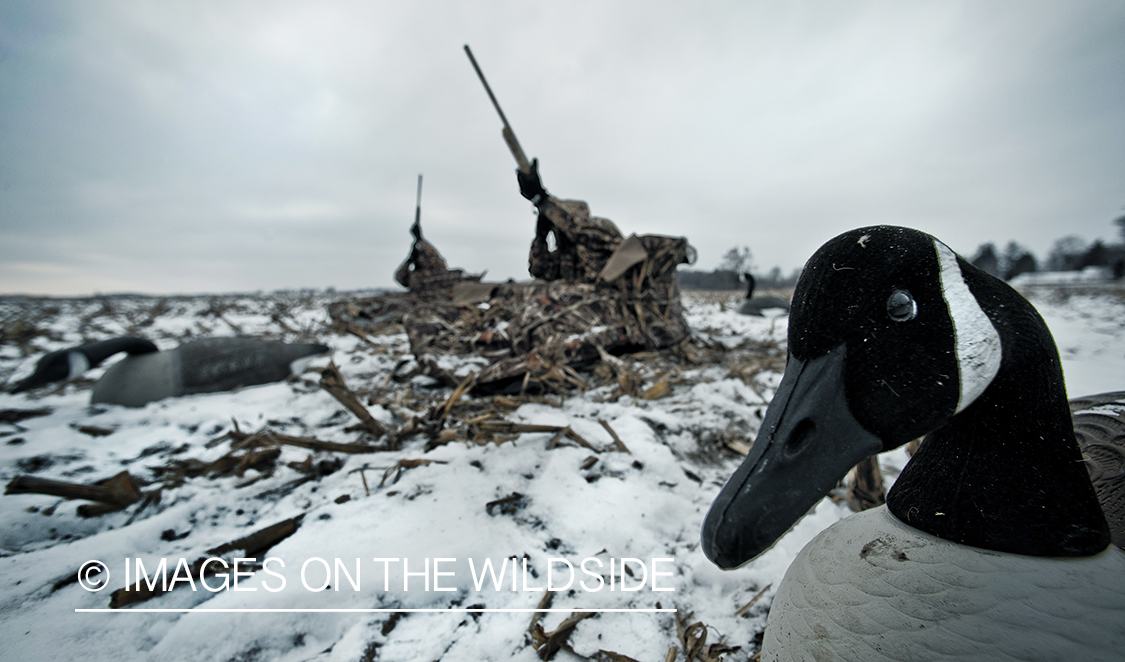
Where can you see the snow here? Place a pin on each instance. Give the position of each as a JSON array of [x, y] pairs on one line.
[[1089, 328], [1087, 276], [645, 505]]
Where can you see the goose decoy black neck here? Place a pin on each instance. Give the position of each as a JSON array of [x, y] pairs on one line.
[[1006, 473], [749, 285], [751, 305], [892, 336]]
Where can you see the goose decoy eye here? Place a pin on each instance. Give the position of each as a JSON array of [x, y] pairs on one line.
[[901, 307]]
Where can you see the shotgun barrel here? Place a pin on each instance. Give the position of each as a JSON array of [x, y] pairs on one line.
[[509, 135]]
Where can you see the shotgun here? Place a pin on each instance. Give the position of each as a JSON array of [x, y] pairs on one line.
[[416, 229], [509, 135]]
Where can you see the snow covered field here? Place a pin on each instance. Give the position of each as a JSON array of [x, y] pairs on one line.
[[514, 502]]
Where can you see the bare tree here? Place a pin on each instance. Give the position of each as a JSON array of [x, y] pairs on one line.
[[737, 260], [1017, 260], [1096, 256], [1066, 254], [986, 260]]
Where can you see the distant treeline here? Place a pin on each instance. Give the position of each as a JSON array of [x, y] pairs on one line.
[[725, 279], [728, 276], [1071, 253]]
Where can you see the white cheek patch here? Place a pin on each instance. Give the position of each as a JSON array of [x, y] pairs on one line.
[[976, 341], [77, 364], [299, 366]]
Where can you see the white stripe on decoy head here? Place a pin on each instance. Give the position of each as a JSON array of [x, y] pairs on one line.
[[976, 341], [77, 363]]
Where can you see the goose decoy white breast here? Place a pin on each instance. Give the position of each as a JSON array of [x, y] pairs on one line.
[[752, 305], [146, 375], [993, 544]]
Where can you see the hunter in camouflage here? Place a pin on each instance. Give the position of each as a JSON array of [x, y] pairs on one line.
[[583, 243]]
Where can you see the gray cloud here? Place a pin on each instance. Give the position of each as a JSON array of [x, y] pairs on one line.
[[186, 147]]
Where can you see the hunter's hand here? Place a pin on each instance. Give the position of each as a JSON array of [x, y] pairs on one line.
[[530, 186]]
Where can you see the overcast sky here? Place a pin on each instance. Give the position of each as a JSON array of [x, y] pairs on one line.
[[182, 147]]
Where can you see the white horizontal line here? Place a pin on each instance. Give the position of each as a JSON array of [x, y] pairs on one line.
[[252, 610]]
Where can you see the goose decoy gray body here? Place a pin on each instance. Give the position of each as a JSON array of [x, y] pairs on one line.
[[201, 366], [753, 305], [993, 544], [1099, 425]]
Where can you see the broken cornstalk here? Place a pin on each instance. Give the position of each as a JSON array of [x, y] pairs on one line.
[[753, 601], [508, 427], [333, 382], [546, 644], [117, 492], [618, 445], [252, 546], [865, 489], [303, 442]]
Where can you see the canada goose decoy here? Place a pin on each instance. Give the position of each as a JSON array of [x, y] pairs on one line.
[[753, 305], [146, 375], [992, 544]]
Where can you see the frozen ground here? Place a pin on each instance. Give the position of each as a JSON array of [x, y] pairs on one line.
[[573, 503]]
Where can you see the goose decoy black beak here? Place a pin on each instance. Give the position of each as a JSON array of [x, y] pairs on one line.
[[809, 438]]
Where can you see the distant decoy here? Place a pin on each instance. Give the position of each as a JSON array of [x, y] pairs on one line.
[[753, 305], [993, 544], [146, 375]]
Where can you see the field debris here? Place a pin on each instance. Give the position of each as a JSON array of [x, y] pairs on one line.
[[13, 417], [404, 464], [241, 439], [261, 458], [507, 505], [753, 601], [219, 559], [93, 430], [693, 640], [599, 294], [331, 381], [865, 486], [546, 644], [618, 445], [111, 494]]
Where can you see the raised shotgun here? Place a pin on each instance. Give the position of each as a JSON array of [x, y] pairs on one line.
[[509, 136], [416, 229], [418, 202]]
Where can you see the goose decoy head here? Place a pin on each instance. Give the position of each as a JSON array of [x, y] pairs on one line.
[[72, 362], [53, 367], [892, 336]]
